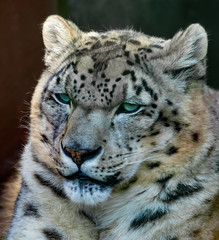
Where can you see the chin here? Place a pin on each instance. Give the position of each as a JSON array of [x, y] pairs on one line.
[[85, 191]]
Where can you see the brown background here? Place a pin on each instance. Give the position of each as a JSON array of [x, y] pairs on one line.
[[20, 66]]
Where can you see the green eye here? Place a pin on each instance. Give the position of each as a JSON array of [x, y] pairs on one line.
[[63, 98], [128, 108]]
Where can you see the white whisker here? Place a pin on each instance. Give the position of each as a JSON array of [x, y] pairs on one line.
[[151, 158], [45, 145], [128, 155]]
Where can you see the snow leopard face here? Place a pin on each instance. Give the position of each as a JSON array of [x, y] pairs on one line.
[[109, 105]]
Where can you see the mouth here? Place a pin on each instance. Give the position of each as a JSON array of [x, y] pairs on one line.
[[82, 189], [84, 178]]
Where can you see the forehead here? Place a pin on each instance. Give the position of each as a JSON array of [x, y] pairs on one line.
[[105, 66], [112, 51]]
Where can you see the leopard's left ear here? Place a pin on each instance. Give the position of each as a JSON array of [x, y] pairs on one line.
[[186, 52]]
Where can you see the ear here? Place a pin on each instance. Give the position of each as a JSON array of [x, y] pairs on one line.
[[186, 53], [58, 33]]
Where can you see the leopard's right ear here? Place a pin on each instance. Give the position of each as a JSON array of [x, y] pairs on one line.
[[58, 33], [185, 54]]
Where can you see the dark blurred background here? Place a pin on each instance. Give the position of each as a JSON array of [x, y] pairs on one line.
[[22, 48]]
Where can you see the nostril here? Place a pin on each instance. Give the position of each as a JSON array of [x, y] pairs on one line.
[[90, 154], [66, 152]]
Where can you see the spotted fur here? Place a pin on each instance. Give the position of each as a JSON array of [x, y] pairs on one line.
[[93, 169]]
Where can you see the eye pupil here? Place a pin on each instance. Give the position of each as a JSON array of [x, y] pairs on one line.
[[63, 98]]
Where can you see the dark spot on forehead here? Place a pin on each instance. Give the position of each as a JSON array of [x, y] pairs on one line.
[[93, 83], [109, 43], [104, 36], [153, 105], [146, 87], [82, 85], [118, 79], [96, 45], [94, 38], [133, 76], [138, 90], [135, 42], [137, 59], [126, 53], [130, 63], [126, 72], [155, 97], [148, 50], [141, 49]]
